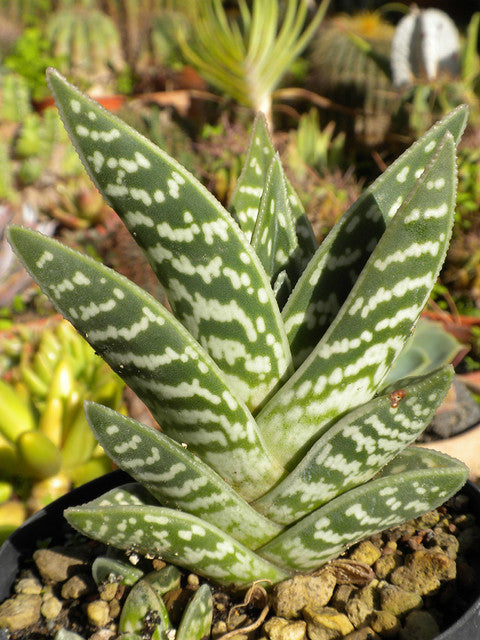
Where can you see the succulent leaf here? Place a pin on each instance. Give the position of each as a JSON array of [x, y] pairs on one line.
[[429, 348], [245, 200], [210, 273], [197, 619], [328, 279], [176, 478], [176, 537], [348, 365], [428, 480], [140, 602], [103, 568], [356, 447], [156, 356], [274, 238]]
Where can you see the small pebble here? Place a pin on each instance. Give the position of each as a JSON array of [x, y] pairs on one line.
[[20, 611], [193, 581], [366, 552], [51, 607], [56, 565], [98, 613], [28, 586], [108, 591], [293, 595], [77, 587]]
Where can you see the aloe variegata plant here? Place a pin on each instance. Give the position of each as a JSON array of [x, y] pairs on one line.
[[280, 443]]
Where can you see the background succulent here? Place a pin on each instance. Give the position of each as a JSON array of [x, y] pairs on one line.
[[280, 444], [246, 56], [46, 445]]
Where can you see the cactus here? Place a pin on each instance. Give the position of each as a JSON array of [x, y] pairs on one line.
[[15, 98], [349, 77], [425, 45], [87, 41]]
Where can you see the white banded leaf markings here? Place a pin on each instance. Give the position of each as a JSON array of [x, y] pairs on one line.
[[175, 537], [370, 330], [175, 477], [384, 502], [190, 239], [385, 196], [355, 448], [157, 357]]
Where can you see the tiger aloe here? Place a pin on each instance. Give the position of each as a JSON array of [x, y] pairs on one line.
[[281, 442]]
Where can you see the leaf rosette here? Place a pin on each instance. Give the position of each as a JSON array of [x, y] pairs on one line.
[[281, 442]]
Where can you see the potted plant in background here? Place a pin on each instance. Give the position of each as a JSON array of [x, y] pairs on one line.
[[281, 445]]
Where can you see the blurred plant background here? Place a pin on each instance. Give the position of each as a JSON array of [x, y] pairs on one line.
[[346, 87]]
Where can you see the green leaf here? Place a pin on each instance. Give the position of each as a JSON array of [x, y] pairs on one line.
[[164, 580], [103, 568], [142, 602], [429, 348], [197, 619], [175, 477], [213, 279], [355, 448], [328, 279], [274, 238], [410, 490], [347, 366], [176, 537], [245, 201], [157, 358]]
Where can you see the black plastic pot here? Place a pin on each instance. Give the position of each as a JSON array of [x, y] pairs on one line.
[[49, 523]]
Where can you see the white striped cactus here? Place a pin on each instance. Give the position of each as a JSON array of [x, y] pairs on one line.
[[280, 444]]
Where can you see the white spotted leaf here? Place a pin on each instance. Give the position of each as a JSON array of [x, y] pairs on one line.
[[140, 602], [176, 537], [175, 477], [346, 368], [144, 343], [356, 447], [424, 482], [245, 201], [274, 238], [197, 618], [330, 275], [212, 277]]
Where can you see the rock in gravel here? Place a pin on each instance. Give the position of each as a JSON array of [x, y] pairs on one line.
[[366, 552], [282, 629], [291, 596], [420, 625], [56, 565], [423, 572], [385, 623], [362, 603], [29, 586], [325, 623], [20, 611], [386, 564], [51, 607], [98, 613], [396, 600], [78, 586]]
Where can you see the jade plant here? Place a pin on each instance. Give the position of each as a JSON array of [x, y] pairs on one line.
[[281, 445]]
